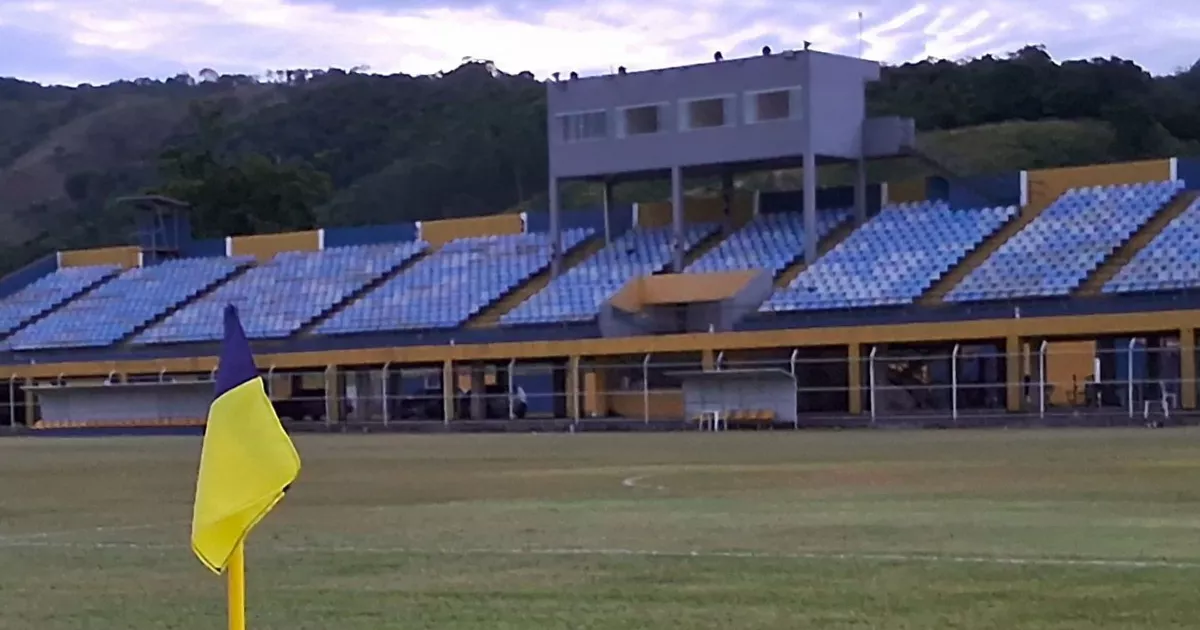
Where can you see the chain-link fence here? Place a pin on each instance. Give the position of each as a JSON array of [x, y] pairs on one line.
[[1084, 382]]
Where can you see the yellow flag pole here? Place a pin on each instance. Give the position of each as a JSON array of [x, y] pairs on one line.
[[237, 588]]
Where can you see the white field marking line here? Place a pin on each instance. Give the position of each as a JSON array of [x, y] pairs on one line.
[[80, 532], [636, 482], [895, 558]]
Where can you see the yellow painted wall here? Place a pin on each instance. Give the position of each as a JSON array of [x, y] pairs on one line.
[[906, 191], [1047, 185], [1073, 326], [438, 233], [664, 404], [264, 247], [697, 210], [595, 393], [655, 214], [680, 288], [1068, 363], [126, 257]]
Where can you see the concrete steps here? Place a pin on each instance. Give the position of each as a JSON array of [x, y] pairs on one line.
[[831, 240], [937, 293], [490, 316], [1108, 269]]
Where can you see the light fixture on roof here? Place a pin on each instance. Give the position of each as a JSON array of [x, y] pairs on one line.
[[621, 70], [766, 51], [717, 56], [574, 75]]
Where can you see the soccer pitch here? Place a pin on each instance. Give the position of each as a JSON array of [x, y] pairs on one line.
[[906, 530]]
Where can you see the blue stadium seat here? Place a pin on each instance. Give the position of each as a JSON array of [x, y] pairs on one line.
[[49, 292], [578, 294], [1169, 262], [890, 260], [1054, 254], [128, 302], [770, 242], [279, 297], [451, 285]]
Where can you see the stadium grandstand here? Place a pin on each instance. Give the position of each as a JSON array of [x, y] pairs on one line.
[[1009, 297]]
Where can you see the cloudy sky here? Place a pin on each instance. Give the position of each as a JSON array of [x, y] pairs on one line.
[[73, 41]]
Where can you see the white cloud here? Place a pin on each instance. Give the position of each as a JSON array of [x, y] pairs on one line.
[[253, 35]]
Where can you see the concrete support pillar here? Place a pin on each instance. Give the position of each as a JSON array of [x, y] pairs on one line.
[[595, 392], [608, 196], [810, 204], [555, 228], [727, 197], [29, 412], [449, 391], [854, 371], [333, 395], [1034, 367], [677, 244], [478, 391], [1014, 361], [1187, 368], [708, 360], [860, 191], [810, 164], [573, 387]]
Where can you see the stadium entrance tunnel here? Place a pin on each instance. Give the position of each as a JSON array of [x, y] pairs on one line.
[[684, 303]]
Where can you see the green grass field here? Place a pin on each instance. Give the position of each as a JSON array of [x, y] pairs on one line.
[[920, 530]]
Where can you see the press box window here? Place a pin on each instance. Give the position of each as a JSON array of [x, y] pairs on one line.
[[584, 126], [705, 113], [641, 120], [770, 105]]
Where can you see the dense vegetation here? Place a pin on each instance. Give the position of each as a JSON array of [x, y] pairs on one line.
[[301, 148]]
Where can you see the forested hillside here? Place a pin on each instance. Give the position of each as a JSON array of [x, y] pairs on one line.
[[351, 148]]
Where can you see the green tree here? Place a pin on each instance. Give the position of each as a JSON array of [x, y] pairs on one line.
[[239, 192]]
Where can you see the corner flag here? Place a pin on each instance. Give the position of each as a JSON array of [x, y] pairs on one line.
[[247, 462]]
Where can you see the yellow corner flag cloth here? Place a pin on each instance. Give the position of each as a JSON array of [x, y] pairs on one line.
[[247, 462]]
